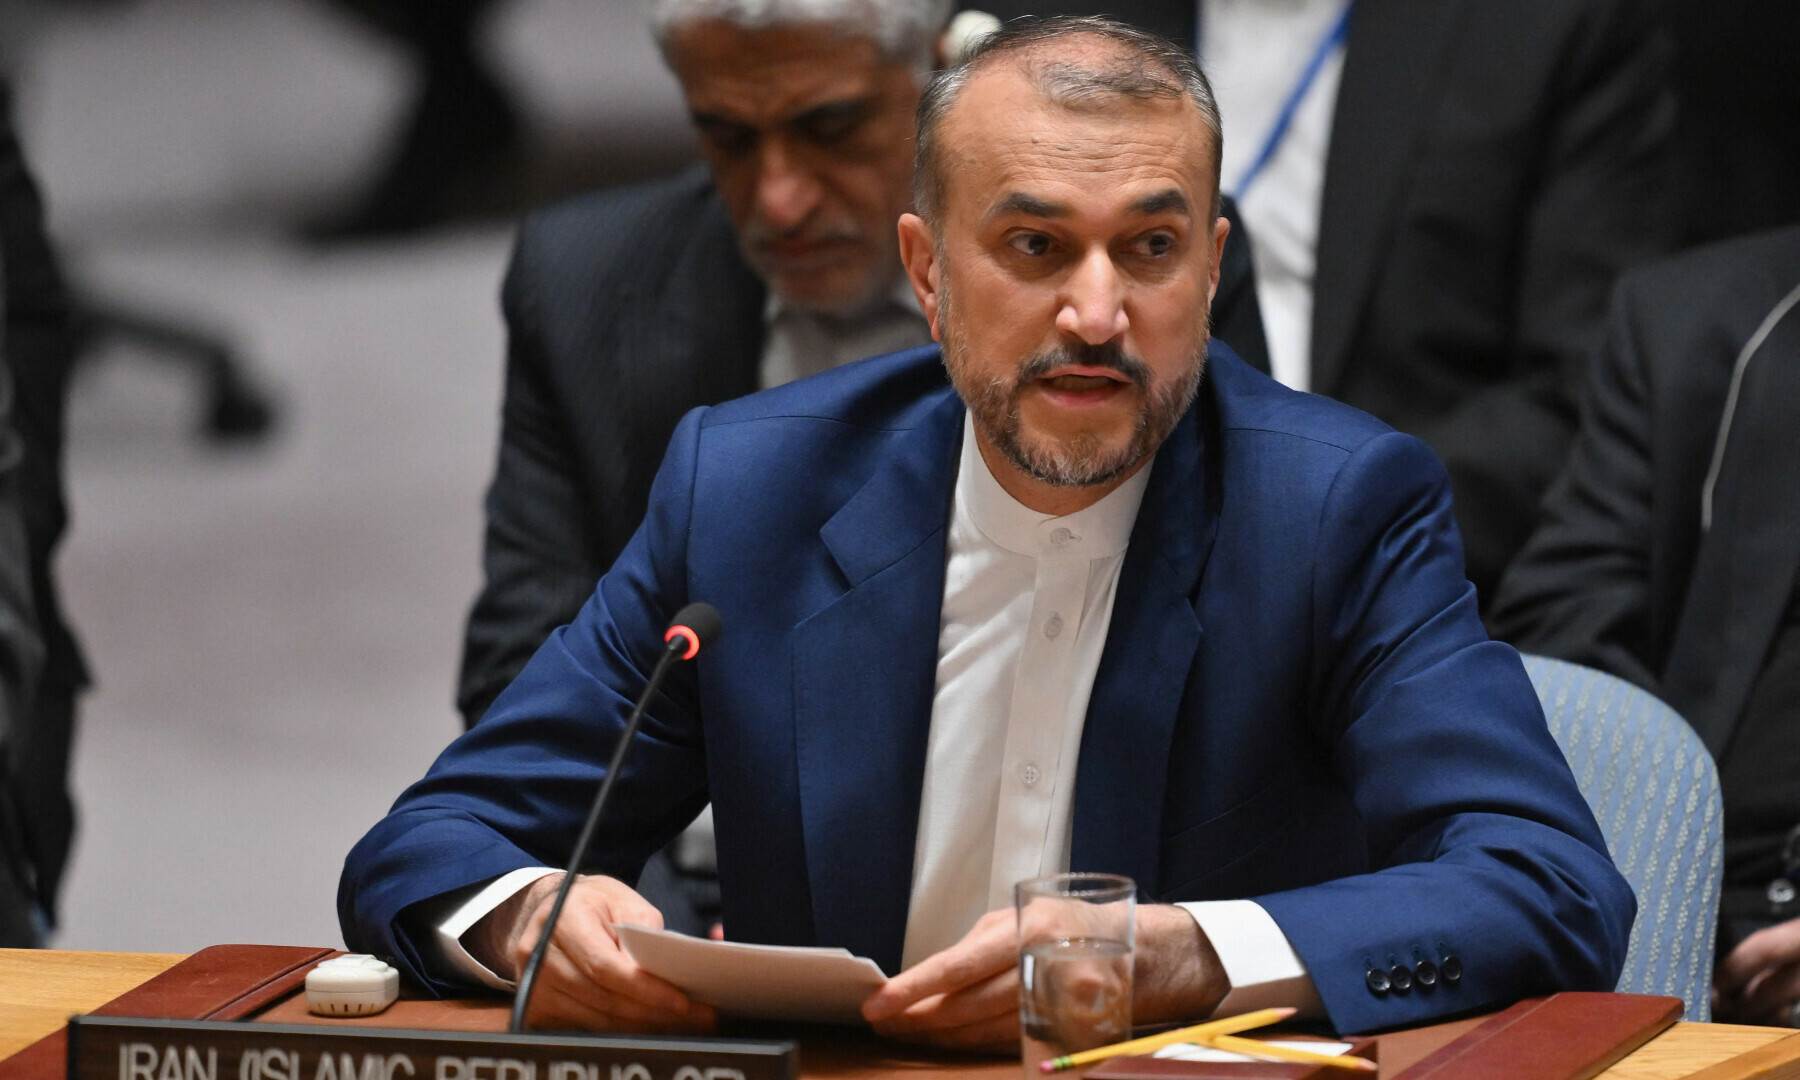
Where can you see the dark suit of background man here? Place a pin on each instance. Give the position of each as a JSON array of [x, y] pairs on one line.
[[37, 819], [1488, 167], [1670, 555], [1075, 606], [625, 309]]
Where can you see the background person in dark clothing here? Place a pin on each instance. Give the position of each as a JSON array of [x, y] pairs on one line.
[[37, 818], [1670, 555]]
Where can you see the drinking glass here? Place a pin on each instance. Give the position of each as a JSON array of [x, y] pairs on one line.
[[1076, 935]]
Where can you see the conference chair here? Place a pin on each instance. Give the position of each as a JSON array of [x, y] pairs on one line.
[[1655, 792]]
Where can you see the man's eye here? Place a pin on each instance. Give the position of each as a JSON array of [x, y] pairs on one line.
[[1031, 244], [1158, 244], [830, 128], [729, 139]]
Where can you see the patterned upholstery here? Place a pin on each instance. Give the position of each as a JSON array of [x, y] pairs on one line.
[[1655, 792]]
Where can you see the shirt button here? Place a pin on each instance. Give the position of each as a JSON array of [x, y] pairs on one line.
[[1053, 626], [1060, 536], [1029, 774]]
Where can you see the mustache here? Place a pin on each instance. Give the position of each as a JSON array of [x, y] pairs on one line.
[[758, 234], [1109, 355]]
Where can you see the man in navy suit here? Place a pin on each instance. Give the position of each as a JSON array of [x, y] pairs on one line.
[[1099, 600]]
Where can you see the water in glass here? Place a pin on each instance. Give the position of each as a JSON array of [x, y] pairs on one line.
[[1076, 995]]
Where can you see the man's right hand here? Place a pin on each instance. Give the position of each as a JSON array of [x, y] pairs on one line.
[[587, 981]]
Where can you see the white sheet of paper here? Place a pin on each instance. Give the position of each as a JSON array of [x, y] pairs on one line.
[[1193, 1052], [763, 982]]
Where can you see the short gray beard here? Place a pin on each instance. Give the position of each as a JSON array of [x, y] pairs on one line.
[[1083, 461]]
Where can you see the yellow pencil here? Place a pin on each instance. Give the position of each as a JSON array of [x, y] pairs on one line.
[[1253, 1048], [1259, 1018]]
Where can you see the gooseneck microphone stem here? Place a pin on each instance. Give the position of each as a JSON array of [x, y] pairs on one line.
[[681, 643]]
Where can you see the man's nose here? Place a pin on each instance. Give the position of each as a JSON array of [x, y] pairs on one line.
[[1093, 300], [786, 190]]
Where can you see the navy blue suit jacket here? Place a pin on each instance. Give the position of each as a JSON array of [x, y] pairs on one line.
[[1296, 702]]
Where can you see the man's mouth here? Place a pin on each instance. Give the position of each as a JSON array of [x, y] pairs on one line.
[[1079, 383], [1083, 385]]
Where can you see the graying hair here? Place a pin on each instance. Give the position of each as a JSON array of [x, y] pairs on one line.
[[1147, 68], [906, 31]]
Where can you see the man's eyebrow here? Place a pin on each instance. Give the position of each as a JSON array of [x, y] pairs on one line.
[[844, 108], [1017, 202], [1161, 203], [707, 119], [834, 110]]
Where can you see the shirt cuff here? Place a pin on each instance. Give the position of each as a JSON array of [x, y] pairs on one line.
[[1260, 963], [456, 911]]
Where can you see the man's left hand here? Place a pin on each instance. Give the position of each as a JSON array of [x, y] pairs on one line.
[[967, 997], [1759, 983]]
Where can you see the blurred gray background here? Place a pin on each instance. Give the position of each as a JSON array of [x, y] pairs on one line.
[[275, 628]]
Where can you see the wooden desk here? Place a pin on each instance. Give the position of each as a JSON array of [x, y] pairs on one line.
[[40, 989]]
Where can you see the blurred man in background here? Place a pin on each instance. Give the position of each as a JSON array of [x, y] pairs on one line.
[[40, 667], [1670, 556]]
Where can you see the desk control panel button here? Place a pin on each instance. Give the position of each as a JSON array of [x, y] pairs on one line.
[[351, 985]]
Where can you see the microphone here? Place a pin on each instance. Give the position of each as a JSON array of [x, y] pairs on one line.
[[694, 626]]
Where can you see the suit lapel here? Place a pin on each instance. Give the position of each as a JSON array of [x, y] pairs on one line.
[[1144, 668], [1744, 574], [1394, 59], [865, 672]]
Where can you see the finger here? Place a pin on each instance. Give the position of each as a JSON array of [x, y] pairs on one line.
[[1772, 946], [996, 996], [565, 980], [987, 951], [588, 943], [1771, 997]]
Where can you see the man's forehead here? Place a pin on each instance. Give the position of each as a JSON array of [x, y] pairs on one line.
[[1006, 130]]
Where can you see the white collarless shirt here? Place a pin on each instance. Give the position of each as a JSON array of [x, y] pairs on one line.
[[1028, 599], [1255, 52]]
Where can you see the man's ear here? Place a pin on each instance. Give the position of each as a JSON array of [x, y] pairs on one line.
[[918, 253], [1221, 229]]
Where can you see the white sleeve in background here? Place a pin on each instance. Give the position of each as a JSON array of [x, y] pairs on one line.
[[1259, 961], [454, 912]]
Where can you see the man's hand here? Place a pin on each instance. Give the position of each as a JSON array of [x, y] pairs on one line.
[[1759, 983], [586, 981], [967, 996]]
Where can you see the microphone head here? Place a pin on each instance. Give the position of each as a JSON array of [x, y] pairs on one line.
[[698, 625]]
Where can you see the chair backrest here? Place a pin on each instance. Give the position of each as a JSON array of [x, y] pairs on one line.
[[1655, 792]]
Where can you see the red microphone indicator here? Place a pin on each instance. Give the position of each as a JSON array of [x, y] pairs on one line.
[[696, 624]]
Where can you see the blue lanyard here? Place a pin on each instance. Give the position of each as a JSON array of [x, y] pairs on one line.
[[1285, 118]]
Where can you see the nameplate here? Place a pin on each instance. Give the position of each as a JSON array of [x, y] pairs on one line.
[[125, 1048]]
